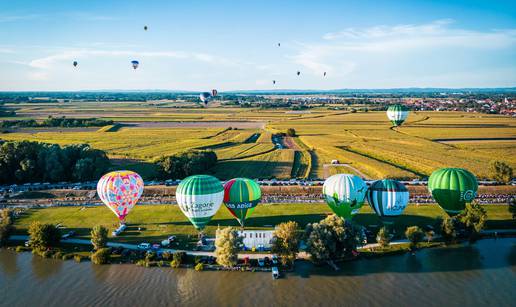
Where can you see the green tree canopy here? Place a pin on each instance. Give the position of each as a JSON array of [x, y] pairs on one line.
[[286, 242], [227, 245], [99, 236]]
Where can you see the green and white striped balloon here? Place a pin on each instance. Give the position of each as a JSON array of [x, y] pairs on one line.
[[388, 198], [397, 114], [200, 197], [344, 194]]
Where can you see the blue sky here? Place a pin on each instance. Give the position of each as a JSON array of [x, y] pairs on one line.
[[232, 45]]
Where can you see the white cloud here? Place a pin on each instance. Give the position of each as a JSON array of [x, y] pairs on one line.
[[346, 49]]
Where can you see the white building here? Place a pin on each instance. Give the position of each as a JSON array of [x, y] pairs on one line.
[[257, 239]]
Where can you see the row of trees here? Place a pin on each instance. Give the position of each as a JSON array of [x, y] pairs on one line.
[[186, 164], [4, 112], [6, 226], [57, 122], [26, 161]]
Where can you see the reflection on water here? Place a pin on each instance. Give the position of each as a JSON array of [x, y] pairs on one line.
[[478, 275]]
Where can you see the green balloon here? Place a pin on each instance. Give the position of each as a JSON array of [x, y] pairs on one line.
[[452, 188]]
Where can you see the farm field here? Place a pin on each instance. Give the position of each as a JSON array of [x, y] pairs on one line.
[[363, 143], [159, 221]]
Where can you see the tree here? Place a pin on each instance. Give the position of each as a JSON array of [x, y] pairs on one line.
[[186, 164], [512, 207], [101, 256], [286, 242], [501, 171], [43, 236], [291, 132], [227, 245], [331, 238], [473, 219], [383, 237], [6, 227], [99, 235], [448, 229], [415, 235]]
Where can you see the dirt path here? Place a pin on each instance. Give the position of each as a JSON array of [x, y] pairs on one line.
[[326, 170]]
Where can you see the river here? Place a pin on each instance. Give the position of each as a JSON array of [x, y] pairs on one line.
[[483, 274]]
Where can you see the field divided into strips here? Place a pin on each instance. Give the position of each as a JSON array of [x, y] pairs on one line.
[[277, 163], [366, 142]]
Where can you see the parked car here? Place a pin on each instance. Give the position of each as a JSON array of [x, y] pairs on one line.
[[144, 246], [156, 246], [167, 242], [68, 235], [261, 262], [274, 260]]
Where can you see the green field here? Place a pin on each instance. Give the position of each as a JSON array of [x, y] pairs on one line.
[[159, 221], [363, 142]]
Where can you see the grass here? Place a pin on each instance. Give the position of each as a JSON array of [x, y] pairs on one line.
[[157, 222]]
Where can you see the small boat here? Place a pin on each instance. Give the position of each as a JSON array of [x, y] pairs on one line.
[[275, 272]]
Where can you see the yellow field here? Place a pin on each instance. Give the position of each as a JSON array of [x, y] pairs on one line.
[[364, 143]]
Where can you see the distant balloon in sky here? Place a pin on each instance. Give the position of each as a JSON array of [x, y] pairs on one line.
[[75, 63], [145, 28], [324, 74], [135, 64], [214, 92], [397, 114], [279, 44], [205, 97], [273, 82], [120, 191], [298, 72]]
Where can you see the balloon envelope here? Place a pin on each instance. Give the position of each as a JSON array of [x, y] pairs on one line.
[[344, 194], [397, 114], [120, 191], [205, 97], [241, 196], [74, 63], [199, 197], [214, 92], [388, 198], [135, 64], [452, 188]]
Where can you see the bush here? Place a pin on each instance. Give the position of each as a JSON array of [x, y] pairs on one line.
[[78, 258], [43, 236], [166, 256], [291, 132], [199, 267], [175, 264], [101, 256], [501, 171], [150, 256], [179, 257], [383, 237], [162, 264], [197, 259], [415, 235], [99, 235], [141, 262]]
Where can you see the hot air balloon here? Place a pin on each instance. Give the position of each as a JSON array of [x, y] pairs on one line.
[[298, 72], [135, 64], [279, 44], [120, 191], [273, 82], [145, 28], [388, 198], [324, 75], [452, 188], [344, 194], [200, 197], [214, 93], [205, 97], [397, 114], [75, 63], [241, 196]]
